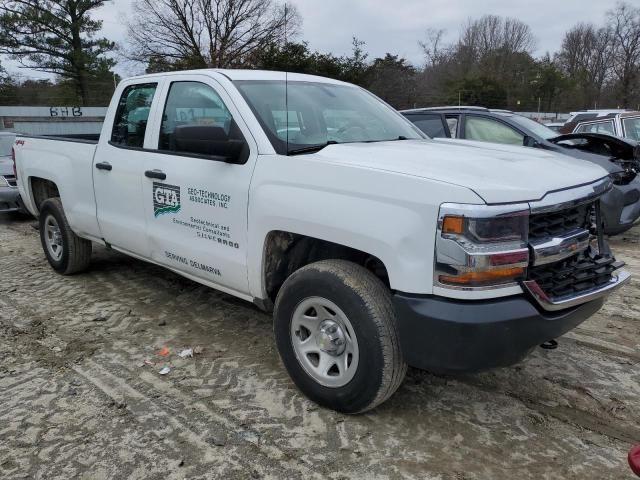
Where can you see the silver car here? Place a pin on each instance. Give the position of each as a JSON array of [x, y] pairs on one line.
[[9, 195]]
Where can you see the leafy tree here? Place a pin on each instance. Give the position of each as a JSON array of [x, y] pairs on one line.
[[299, 58], [56, 37], [548, 84], [480, 91], [392, 78]]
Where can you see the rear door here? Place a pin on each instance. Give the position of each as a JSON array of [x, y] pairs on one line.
[[119, 166], [196, 186]]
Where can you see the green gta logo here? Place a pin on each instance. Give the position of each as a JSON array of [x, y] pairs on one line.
[[166, 198]]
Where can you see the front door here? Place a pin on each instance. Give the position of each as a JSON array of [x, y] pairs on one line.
[[197, 184], [119, 166]]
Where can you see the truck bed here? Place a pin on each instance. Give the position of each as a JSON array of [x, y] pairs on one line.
[[68, 163]]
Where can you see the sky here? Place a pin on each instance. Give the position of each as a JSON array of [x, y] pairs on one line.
[[396, 26]]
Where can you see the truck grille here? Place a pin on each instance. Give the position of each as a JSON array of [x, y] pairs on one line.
[[578, 273], [571, 276], [11, 180], [554, 224]]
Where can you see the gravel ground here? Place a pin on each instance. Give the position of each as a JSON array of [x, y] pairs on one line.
[[78, 401]]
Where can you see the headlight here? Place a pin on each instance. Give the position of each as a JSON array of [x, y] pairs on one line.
[[3, 182], [481, 246]]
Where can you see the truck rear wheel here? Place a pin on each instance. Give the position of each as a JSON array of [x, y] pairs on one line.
[[336, 333], [66, 252]]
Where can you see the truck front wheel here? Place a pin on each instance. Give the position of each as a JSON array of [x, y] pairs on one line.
[[66, 252], [336, 332]]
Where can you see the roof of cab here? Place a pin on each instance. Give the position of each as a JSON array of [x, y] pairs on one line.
[[241, 74]]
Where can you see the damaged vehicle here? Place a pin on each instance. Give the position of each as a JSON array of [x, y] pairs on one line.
[[620, 157], [9, 194], [625, 124]]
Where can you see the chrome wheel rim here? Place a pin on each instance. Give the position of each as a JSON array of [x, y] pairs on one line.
[[324, 342], [53, 237]]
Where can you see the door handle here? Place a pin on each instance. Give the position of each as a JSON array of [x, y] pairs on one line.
[[159, 174], [104, 166]]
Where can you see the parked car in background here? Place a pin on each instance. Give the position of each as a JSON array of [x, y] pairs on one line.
[[555, 126], [9, 195], [621, 124], [587, 115], [621, 158]]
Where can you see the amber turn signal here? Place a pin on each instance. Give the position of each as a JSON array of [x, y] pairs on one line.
[[474, 278], [453, 224]]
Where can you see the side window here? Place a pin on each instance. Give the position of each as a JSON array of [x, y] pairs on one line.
[[453, 122], [430, 124], [130, 123], [488, 130], [598, 127], [196, 122], [632, 128]]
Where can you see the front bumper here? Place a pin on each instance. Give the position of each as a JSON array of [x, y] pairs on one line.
[[9, 199], [445, 335]]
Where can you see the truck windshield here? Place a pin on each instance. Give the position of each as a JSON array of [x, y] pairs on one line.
[[312, 115]]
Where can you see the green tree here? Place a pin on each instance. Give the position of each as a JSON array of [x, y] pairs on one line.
[[548, 84], [480, 91], [56, 37], [393, 79]]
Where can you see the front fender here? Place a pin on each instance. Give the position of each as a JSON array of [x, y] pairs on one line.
[[390, 216]]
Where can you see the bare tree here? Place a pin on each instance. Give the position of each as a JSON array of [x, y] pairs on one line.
[[435, 51], [207, 33], [624, 23], [586, 58], [490, 34]]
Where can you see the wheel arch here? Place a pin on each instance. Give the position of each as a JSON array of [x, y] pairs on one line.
[[42, 189], [285, 252]]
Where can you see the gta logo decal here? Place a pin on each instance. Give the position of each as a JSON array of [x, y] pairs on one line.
[[166, 198]]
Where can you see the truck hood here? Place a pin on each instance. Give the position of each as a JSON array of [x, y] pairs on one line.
[[497, 173], [6, 166]]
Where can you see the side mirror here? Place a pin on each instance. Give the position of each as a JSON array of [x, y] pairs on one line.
[[212, 141], [529, 141], [237, 151]]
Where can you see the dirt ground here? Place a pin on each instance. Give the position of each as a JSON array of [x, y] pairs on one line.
[[78, 401]]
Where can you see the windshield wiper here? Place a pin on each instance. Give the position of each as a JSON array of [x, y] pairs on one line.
[[311, 148]]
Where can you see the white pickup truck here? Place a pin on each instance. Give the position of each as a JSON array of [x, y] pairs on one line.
[[375, 247]]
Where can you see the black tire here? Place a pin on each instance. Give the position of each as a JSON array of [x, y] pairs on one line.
[[76, 251], [366, 301]]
